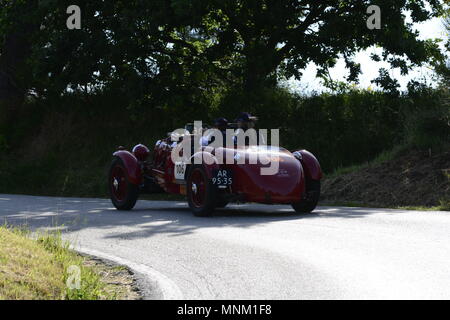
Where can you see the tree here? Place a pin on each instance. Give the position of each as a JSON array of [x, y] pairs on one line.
[[15, 47], [443, 67], [138, 48], [271, 38], [165, 48]]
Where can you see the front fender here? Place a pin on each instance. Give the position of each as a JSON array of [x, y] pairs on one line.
[[132, 166], [311, 165]]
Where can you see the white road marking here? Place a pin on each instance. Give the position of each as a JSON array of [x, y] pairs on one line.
[[169, 289]]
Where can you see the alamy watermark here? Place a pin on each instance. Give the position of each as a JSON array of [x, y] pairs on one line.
[[74, 277], [74, 20], [374, 20], [230, 146]]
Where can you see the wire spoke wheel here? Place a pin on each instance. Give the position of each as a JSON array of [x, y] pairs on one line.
[[118, 183], [198, 188], [123, 193], [201, 193]]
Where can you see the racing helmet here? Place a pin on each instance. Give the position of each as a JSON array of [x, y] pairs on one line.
[[245, 120], [221, 124]]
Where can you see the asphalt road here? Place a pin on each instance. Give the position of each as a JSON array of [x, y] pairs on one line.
[[257, 251]]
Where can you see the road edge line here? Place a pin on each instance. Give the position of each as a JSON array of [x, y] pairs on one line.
[[169, 290]]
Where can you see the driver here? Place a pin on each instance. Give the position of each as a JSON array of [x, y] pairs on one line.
[[221, 124]]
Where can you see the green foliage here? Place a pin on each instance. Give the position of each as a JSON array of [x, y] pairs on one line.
[[384, 156], [3, 143], [156, 52], [386, 82], [346, 128], [427, 118], [67, 152], [429, 127], [442, 66]]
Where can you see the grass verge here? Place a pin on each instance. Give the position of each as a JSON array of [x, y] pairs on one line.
[[443, 206], [404, 178], [382, 157], [44, 268]]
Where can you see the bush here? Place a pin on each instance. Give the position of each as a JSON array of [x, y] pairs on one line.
[[65, 149], [3, 144], [428, 128], [427, 118], [346, 128]]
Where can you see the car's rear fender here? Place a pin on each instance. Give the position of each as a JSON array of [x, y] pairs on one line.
[[207, 160], [132, 166], [311, 165]]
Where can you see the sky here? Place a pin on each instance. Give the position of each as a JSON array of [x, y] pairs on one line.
[[309, 83]]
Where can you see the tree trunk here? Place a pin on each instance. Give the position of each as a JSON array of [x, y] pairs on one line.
[[10, 60], [12, 94], [15, 49], [259, 67]]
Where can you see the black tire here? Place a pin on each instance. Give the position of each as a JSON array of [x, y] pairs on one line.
[[308, 204], [221, 203], [207, 191], [129, 192]]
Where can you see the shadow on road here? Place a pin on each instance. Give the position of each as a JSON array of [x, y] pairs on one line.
[[149, 217]]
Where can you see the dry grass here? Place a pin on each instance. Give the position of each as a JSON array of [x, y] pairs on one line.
[[38, 269], [27, 270], [413, 179]]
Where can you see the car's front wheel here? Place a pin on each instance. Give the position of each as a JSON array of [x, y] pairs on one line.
[[309, 203], [201, 193], [123, 193]]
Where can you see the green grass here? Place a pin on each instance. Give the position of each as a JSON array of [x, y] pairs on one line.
[[443, 206], [38, 269], [382, 157]]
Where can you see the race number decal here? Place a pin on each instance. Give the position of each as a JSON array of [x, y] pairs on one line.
[[180, 169]]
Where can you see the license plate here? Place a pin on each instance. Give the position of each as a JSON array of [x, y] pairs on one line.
[[222, 177]]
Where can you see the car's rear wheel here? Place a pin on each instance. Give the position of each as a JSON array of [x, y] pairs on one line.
[[221, 203], [309, 203], [123, 193], [201, 193]]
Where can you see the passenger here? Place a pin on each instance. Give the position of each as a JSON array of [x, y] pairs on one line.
[[244, 122], [220, 124]]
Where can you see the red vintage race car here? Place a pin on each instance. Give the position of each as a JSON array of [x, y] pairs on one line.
[[213, 184]]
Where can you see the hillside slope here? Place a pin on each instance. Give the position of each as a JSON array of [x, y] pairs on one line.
[[411, 178]]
